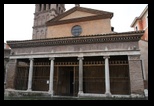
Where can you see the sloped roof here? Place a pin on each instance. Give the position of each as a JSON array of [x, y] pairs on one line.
[[6, 46], [138, 18], [99, 14]]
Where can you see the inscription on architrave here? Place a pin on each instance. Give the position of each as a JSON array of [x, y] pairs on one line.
[[134, 57]]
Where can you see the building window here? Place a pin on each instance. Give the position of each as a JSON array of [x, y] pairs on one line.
[[59, 10], [147, 20], [76, 30], [49, 6], [44, 7], [40, 5], [136, 28]]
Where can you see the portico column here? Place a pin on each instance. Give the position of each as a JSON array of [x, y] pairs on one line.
[[51, 76], [30, 75], [107, 76], [80, 75]]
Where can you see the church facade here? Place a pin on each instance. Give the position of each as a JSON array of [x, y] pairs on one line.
[[78, 55]]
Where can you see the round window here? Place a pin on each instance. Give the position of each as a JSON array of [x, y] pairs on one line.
[[76, 30]]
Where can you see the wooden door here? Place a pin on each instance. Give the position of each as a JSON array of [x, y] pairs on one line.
[[65, 81]]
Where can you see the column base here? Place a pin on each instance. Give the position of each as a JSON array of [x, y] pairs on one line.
[[80, 93], [4, 86], [146, 92], [29, 89], [108, 94], [51, 93]]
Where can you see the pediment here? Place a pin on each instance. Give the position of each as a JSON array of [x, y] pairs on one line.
[[77, 14]]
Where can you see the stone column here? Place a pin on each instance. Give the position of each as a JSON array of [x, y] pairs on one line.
[[107, 76], [51, 91], [30, 75], [80, 75], [42, 7]]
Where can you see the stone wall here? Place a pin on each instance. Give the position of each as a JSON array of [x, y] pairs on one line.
[[143, 46], [79, 48]]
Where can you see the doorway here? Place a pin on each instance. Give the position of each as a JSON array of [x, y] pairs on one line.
[[65, 81]]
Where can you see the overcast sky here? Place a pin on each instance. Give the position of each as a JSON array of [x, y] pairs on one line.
[[18, 18]]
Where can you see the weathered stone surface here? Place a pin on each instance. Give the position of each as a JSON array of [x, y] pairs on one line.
[[146, 92], [11, 74], [136, 79], [77, 48]]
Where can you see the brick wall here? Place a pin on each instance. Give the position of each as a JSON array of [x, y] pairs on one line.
[[11, 74], [136, 77]]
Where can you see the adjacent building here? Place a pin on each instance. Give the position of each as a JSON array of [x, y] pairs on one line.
[[141, 23]]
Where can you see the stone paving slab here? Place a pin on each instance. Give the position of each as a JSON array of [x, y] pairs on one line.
[[69, 98]]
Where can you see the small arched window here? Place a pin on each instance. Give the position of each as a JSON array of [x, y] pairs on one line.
[[49, 6], [44, 7], [147, 20], [40, 6], [59, 10]]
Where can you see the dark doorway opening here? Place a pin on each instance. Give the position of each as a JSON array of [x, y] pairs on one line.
[[65, 81], [71, 82]]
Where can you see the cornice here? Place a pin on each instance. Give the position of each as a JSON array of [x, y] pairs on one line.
[[78, 19], [87, 39]]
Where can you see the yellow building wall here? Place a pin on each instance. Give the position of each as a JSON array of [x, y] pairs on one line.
[[92, 27]]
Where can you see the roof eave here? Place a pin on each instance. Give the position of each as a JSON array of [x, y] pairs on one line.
[[99, 38], [144, 11], [134, 22], [138, 18]]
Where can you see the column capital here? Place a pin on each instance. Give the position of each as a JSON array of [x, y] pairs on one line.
[[80, 58], [51, 58], [31, 59], [107, 56]]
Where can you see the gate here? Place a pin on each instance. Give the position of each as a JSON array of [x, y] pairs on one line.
[[119, 77], [93, 77], [21, 76], [41, 74]]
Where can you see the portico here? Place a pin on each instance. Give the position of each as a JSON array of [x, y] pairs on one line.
[[81, 69], [78, 65]]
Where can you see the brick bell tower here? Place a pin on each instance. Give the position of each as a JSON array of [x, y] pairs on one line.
[[43, 13]]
